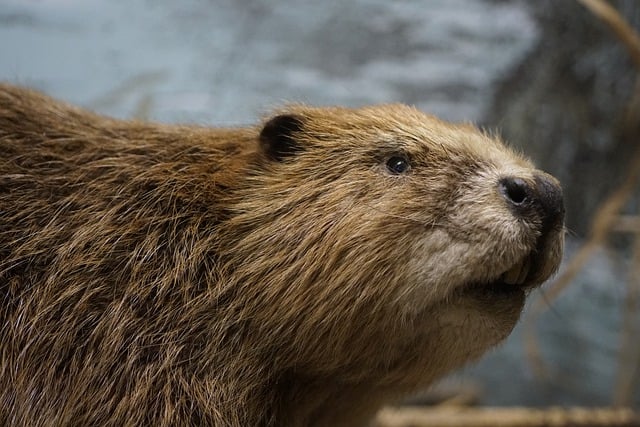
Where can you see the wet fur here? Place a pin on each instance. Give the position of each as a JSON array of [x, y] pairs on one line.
[[172, 275]]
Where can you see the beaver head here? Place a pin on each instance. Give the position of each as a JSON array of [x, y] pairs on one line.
[[382, 246]]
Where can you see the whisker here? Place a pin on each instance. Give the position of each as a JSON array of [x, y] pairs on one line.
[[570, 232]]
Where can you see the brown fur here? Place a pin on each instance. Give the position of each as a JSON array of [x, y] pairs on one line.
[[172, 275]]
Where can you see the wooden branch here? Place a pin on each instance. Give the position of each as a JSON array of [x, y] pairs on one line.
[[629, 357], [618, 25], [506, 417]]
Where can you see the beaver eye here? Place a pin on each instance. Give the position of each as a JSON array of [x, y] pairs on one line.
[[398, 165]]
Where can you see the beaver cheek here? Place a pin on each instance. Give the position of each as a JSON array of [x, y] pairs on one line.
[[435, 275]]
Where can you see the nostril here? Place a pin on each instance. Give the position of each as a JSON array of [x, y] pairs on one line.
[[514, 189]]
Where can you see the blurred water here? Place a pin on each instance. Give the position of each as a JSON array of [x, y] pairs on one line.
[[228, 62]]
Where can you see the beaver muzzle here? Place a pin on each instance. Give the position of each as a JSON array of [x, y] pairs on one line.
[[539, 202]]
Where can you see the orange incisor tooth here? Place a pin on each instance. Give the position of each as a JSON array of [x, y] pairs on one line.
[[512, 275]]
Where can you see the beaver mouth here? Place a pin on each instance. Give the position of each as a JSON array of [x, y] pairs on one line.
[[515, 281]]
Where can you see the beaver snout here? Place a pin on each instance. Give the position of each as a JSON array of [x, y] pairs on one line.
[[540, 199]]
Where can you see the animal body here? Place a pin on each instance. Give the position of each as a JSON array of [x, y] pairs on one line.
[[301, 272]]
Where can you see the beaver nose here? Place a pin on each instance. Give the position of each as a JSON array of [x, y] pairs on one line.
[[542, 197]]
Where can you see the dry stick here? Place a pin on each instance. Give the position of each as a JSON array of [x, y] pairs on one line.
[[623, 30], [630, 350], [506, 417], [606, 215]]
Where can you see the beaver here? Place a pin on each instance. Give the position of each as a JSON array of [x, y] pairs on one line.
[[301, 272]]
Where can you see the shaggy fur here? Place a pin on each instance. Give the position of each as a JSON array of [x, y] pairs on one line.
[[271, 276]]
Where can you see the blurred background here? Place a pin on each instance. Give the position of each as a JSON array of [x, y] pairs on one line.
[[548, 75]]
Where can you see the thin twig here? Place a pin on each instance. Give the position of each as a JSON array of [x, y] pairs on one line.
[[617, 23], [506, 417], [630, 346]]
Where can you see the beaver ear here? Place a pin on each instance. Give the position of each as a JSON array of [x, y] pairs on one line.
[[277, 137]]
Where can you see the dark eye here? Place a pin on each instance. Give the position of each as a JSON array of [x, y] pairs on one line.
[[398, 165]]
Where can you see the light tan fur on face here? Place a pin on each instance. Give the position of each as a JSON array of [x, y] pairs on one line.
[[171, 275]]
